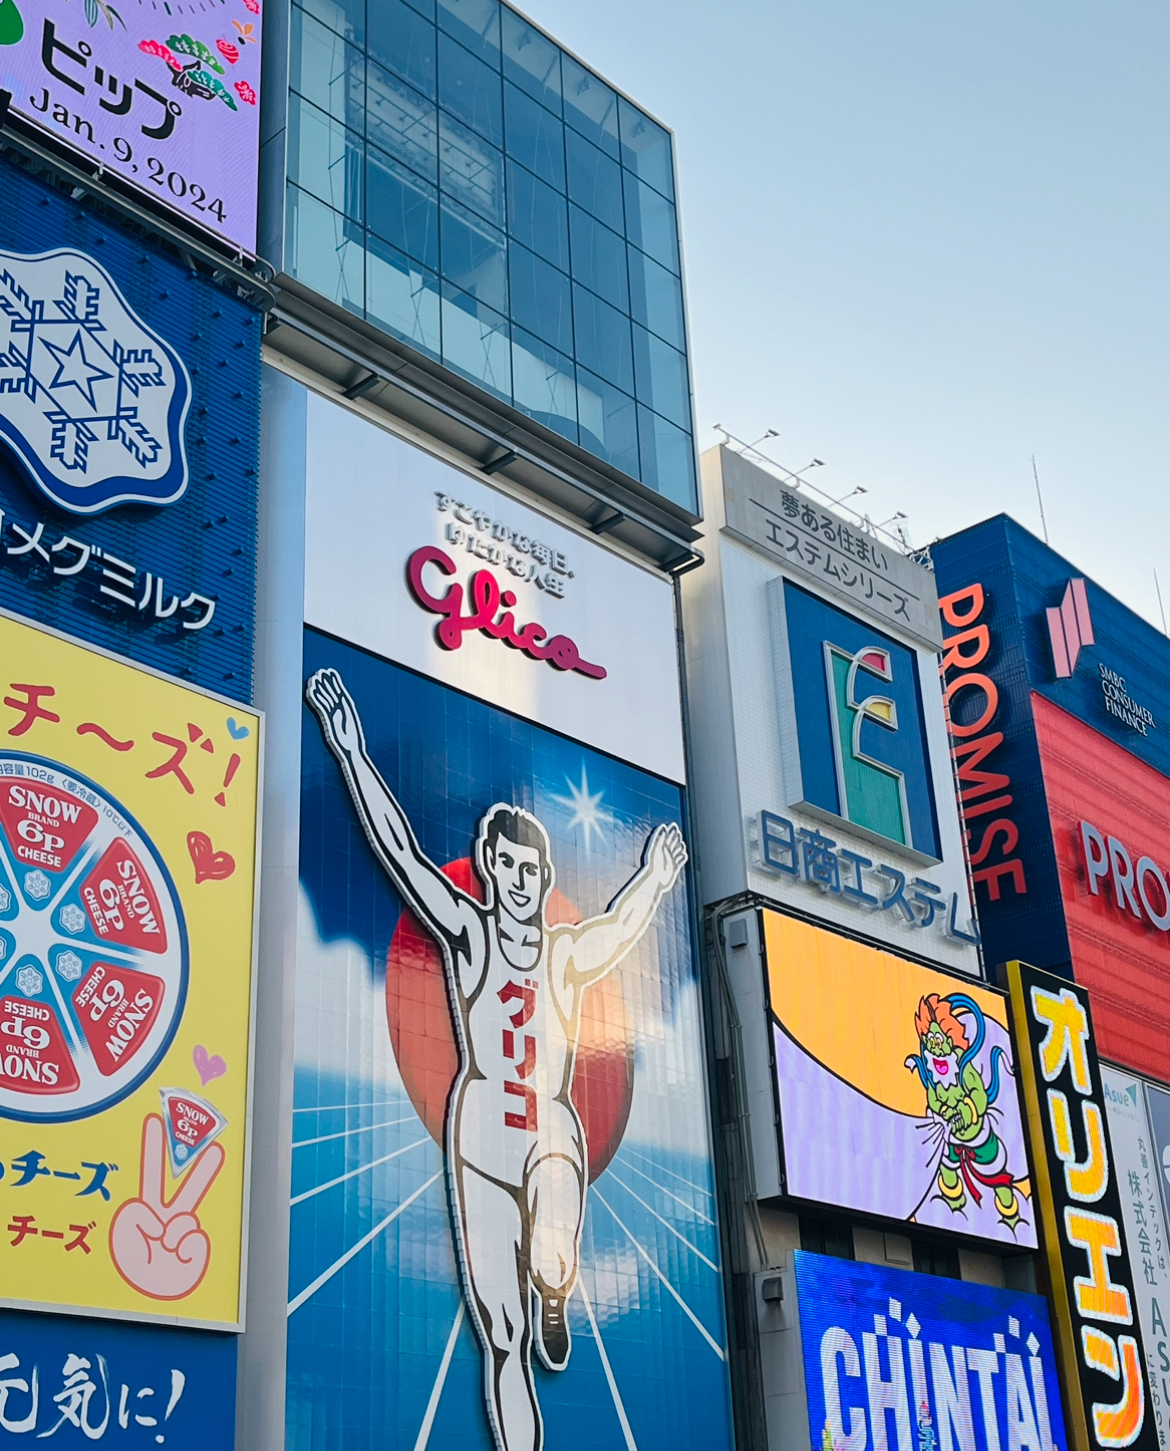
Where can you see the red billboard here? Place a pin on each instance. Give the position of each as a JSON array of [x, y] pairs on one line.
[[1110, 816]]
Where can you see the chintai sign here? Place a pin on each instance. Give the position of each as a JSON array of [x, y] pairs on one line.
[[905, 1362]]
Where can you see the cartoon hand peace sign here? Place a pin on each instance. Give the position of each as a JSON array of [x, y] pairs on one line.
[[159, 1247]]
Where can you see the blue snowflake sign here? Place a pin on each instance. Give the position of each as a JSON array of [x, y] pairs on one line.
[[92, 400]]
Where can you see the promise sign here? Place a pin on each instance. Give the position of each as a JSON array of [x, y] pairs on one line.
[[1098, 1339]]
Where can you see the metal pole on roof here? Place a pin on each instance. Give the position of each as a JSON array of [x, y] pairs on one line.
[[1040, 500], [1161, 606]]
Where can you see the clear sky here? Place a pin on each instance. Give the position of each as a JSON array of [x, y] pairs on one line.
[[925, 240]]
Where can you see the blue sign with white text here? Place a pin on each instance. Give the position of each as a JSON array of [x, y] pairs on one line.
[[924, 1363], [129, 442], [859, 719], [129, 1387]]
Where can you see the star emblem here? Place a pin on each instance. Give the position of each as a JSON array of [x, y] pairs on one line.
[[587, 810], [74, 370]]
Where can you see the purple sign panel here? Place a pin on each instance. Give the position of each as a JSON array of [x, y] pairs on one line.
[[166, 97]]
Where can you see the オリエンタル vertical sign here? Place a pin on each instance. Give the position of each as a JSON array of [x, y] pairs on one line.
[[166, 97], [127, 859], [1098, 1337]]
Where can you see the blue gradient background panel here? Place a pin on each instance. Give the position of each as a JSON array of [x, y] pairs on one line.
[[379, 1353], [812, 622]]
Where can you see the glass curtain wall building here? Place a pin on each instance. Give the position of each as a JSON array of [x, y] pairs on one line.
[[458, 180]]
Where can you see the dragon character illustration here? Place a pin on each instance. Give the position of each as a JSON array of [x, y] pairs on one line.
[[951, 1031]]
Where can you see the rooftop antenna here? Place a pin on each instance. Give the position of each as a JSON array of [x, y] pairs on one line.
[[1040, 499], [1161, 606]]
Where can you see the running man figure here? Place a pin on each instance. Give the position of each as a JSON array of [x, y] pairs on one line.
[[517, 1161]]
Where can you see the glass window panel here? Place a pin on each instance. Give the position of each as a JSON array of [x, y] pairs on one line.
[[476, 343], [324, 158], [543, 384], [535, 138], [532, 60], [595, 182], [475, 24], [470, 90], [538, 217], [403, 209], [646, 148], [474, 255], [402, 40], [668, 459], [656, 299], [403, 122], [590, 105], [541, 301], [324, 251], [661, 373], [424, 7], [346, 17], [603, 339], [327, 71], [402, 297], [608, 422], [470, 170], [651, 222], [599, 259]]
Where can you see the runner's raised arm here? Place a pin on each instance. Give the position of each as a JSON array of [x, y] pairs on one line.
[[444, 909], [595, 947]]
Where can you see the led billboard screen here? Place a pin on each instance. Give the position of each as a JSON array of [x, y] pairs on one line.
[[896, 1087], [919, 1362], [166, 98], [128, 811]]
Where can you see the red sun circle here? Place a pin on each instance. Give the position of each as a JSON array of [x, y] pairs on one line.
[[423, 1036]]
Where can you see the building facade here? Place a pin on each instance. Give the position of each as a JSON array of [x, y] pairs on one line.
[[129, 807], [869, 1089]]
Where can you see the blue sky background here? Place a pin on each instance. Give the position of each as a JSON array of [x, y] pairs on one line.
[[926, 241]]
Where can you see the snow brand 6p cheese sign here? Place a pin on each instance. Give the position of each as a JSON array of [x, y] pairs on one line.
[[127, 846]]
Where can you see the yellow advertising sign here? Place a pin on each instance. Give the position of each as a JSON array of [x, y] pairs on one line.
[[128, 809]]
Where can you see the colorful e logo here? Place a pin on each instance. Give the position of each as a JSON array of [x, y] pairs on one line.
[[872, 793]]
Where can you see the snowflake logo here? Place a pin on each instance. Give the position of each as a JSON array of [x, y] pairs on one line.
[[29, 981], [3, 949], [37, 885], [68, 966], [94, 402], [5, 899], [72, 918]]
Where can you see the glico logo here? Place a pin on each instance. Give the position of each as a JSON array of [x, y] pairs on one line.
[[94, 402], [872, 793], [860, 725]]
